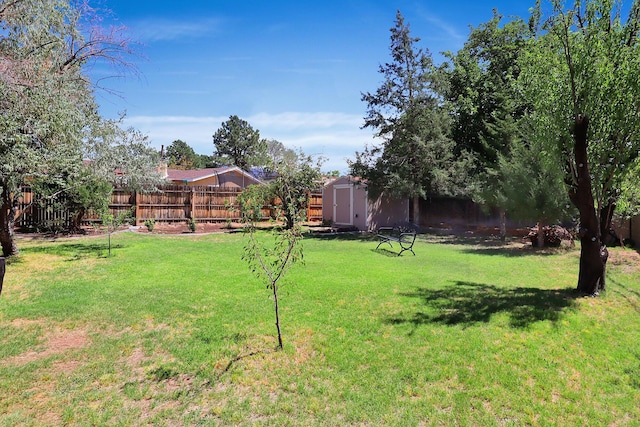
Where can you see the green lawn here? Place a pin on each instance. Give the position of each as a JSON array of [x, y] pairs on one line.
[[174, 330]]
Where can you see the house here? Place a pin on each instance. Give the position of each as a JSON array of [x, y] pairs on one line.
[[346, 203], [226, 177]]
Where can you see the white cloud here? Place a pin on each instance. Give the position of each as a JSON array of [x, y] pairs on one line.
[[332, 135], [158, 29]]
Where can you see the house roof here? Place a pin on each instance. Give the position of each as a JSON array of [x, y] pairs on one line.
[[192, 175]]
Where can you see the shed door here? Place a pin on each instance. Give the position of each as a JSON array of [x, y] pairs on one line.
[[343, 205]]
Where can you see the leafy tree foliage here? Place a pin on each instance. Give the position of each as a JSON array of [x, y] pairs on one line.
[[269, 261], [237, 143], [206, 161], [49, 119], [532, 186], [180, 155], [416, 155], [277, 153], [486, 107], [582, 74], [296, 176], [294, 180]]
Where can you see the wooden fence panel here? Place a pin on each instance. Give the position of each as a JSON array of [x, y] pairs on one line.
[[170, 204], [314, 212], [41, 213], [212, 204]]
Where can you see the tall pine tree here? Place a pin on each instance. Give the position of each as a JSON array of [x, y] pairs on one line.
[[406, 112]]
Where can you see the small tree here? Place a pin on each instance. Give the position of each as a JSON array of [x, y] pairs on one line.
[[532, 185], [113, 222], [295, 177], [269, 262]]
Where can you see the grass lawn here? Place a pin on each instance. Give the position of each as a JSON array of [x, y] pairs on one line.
[[174, 330]]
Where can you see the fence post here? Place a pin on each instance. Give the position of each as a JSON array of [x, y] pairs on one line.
[[192, 213], [2, 268], [136, 201]]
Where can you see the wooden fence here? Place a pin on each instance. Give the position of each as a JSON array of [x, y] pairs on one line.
[[170, 204]]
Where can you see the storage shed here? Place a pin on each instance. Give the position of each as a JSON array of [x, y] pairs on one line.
[[346, 203]]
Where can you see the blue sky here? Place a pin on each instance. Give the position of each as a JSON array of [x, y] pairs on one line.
[[295, 70]]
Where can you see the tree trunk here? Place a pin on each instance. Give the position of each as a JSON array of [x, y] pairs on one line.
[[593, 254], [274, 287], [540, 226], [7, 224], [76, 220], [503, 225], [609, 236], [416, 210], [2, 267]]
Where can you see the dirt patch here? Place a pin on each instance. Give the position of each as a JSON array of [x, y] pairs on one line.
[[627, 260], [57, 342], [182, 228]]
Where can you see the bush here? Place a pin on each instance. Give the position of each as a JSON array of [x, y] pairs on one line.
[[191, 223], [150, 224], [553, 236]]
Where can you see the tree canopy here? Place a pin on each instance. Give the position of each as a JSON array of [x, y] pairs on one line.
[[548, 110], [416, 155], [582, 75], [237, 143], [49, 122], [511, 171], [181, 155]]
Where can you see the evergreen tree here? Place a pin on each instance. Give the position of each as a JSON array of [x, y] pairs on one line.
[[181, 156], [237, 143], [415, 156]]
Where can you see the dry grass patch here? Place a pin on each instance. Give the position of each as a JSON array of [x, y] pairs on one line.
[[626, 260], [56, 342]]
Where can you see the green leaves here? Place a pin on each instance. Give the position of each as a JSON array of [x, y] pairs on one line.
[[269, 259], [588, 62], [406, 112], [237, 143]]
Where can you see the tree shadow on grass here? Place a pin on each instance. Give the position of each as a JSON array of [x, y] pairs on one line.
[[347, 236], [491, 245], [628, 294], [511, 252], [467, 303], [76, 250]]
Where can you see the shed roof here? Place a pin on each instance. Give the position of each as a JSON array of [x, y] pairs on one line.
[[347, 179]]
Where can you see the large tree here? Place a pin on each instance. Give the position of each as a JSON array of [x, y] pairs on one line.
[[181, 155], [416, 155], [48, 110], [239, 144], [531, 185], [486, 107], [583, 76]]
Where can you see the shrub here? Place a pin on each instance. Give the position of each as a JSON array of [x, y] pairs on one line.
[[150, 224], [553, 236]]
